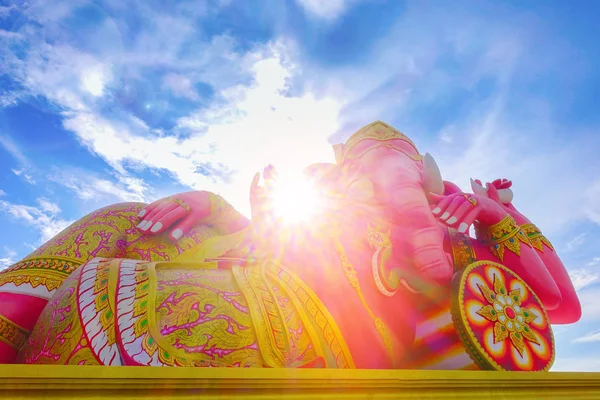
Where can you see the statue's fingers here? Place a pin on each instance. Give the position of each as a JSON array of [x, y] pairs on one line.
[[270, 173], [168, 219], [458, 215], [158, 222], [469, 219], [502, 183], [443, 204], [183, 227], [149, 208], [254, 184], [147, 221], [145, 210], [456, 202], [492, 192], [158, 211]]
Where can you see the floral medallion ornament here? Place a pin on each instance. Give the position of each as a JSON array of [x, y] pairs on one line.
[[511, 319], [500, 321]]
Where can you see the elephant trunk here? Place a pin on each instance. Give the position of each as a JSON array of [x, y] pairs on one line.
[[409, 209]]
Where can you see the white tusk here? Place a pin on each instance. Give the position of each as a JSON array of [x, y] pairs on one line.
[[478, 189], [432, 178]]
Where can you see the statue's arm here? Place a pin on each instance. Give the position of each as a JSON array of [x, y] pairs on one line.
[[500, 239], [570, 308], [181, 212], [548, 278], [505, 235]]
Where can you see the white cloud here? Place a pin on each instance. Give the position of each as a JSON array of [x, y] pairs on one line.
[[21, 173], [582, 278], [326, 9], [8, 258], [51, 71], [589, 304], [246, 128], [48, 207], [7, 35], [94, 79], [2, 193], [88, 186], [577, 364], [180, 86], [595, 261], [266, 123], [591, 204], [576, 242], [5, 11], [44, 218], [10, 146], [590, 337], [46, 12]]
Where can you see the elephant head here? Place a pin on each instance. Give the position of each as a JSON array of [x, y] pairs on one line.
[[380, 165]]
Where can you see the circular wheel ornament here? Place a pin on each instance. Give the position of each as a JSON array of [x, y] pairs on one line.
[[500, 320]]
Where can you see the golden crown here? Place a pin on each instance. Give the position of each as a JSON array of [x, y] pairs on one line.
[[375, 131]]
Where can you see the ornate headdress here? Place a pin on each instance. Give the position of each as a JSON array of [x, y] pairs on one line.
[[375, 131]]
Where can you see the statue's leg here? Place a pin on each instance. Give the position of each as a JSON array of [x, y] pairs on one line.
[[109, 232], [26, 286]]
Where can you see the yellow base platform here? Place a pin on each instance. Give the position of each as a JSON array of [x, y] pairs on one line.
[[73, 382]]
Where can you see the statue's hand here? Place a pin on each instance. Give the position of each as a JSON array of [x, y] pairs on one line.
[[503, 195], [461, 210], [179, 213], [261, 196]]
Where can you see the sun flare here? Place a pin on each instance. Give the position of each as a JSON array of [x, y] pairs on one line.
[[296, 199]]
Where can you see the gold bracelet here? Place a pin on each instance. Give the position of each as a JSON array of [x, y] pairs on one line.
[[536, 238], [12, 334], [506, 234], [182, 203], [463, 252]]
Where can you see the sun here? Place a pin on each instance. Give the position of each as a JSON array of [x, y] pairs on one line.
[[295, 199]]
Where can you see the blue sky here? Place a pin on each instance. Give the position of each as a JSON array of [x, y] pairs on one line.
[[111, 101]]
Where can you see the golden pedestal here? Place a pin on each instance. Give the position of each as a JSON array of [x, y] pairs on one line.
[[78, 382]]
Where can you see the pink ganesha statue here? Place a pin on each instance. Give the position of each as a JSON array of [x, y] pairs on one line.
[[384, 275]]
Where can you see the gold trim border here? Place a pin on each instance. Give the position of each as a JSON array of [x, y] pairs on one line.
[[12, 334], [42, 381]]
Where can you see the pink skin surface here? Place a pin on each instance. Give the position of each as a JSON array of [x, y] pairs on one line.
[[397, 181], [569, 309], [179, 213], [166, 214]]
